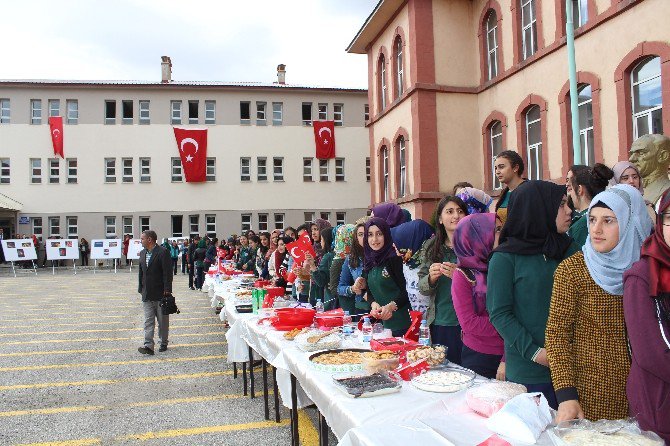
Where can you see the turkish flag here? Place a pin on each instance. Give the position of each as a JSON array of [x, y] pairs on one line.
[[56, 127], [192, 145], [306, 237], [298, 249], [324, 136]]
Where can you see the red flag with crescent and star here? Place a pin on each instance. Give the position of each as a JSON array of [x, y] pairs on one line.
[[324, 136], [298, 249], [192, 146], [56, 127]]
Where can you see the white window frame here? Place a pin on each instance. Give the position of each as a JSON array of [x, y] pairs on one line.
[[586, 133], [54, 227], [338, 115], [263, 222], [5, 111], [54, 107], [245, 222], [261, 168], [110, 120], [279, 218], [261, 112], [492, 44], [110, 170], [366, 112], [127, 225], [194, 119], [649, 112], [175, 112], [307, 169], [324, 216], [143, 226], [580, 12], [37, 227], [494, 135], [210, 112], [339, 169], [72, 110], [402, 165], [367, 169], [35, 111], [127, 120], [72, 171], [194, 224], [54, 170], [245, 169], [278, 168], [322, 111], [277, 113], [210, 172], [532, 25], [400, 84], [145, 170], [145, 112], [176, 172], [247, 120], [309, 217], [35, 170], [72, 227], [307, 122], [210, 223], [385, 174], [534, 151], [382, 74], [110, 223], [5, 170], [324, 171], [340, 218], [126, 170]]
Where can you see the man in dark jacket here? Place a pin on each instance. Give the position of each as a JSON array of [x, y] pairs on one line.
[[155, 281], [191, 267]]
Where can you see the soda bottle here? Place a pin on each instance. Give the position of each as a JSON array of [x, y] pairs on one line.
[[319, 306], [367, 330], [347, 328], [424, 333]]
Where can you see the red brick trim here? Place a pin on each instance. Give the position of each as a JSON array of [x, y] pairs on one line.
[[382, 53], [583, 77], [515, 7], [530, 100], [488, 161], [383, 144], [559, 7], [422, 68], [398, 34], [490, 6], [623, 89], [396, 161]]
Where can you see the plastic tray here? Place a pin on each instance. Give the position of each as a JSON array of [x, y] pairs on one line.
[[381, 384]]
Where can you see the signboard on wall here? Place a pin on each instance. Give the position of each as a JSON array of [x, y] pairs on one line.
[[24, 220], [17, 250], [59, 249], [106, 248], [134, 248]]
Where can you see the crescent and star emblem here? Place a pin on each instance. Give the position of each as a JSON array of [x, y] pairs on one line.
[[293, 254], [56, 133], [184, 141]]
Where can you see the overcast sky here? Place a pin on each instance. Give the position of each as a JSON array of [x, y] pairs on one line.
[[225, 40]]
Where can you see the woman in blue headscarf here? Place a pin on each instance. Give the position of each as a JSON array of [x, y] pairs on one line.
[[586, 339]]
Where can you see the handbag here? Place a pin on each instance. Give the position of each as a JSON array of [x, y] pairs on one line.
[[168, 305]]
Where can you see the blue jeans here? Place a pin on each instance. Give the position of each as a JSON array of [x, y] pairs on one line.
[[199, 277], [480, 363]]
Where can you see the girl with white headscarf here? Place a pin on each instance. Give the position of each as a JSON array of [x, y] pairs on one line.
[[586, 336]]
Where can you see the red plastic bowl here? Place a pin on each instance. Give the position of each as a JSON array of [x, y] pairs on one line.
[[275, 291], [295, 316]]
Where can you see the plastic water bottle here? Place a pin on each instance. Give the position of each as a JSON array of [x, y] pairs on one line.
[[347, 328], [424, 333], [367, 330], [319, 306]]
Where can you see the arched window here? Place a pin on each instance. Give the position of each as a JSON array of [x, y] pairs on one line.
[[528, 29], [495, 142], [534, 142], [580, 12], [492, 44], [400, 81], [585, 103], [646, 97], [385, 173], [382, 82], [402, 166]]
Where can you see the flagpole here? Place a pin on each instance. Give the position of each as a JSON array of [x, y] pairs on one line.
[[572, 73]]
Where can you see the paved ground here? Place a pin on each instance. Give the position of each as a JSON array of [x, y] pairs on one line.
[[70, 373]]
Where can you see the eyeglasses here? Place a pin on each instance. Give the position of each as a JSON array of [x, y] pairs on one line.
[[666, 219]]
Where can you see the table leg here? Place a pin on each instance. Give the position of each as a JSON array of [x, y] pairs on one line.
[[294, 412], [266, 398], [251, 373], [244, 377], [323, 430], [276, 394], [235, 370]]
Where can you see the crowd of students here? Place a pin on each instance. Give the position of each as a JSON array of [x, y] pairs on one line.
[[562, 288]]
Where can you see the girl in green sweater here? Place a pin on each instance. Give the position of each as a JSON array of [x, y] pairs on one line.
[[321, 274]]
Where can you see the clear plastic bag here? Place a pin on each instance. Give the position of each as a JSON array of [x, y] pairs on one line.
[[490, 397], [603, 433]]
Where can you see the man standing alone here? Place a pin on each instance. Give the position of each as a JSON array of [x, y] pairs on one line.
[[155, 281]]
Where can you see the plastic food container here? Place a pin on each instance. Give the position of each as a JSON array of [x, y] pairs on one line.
[[372, 365], [366, 385], [603, 433], [330, 342], [338, 368], [444, 381]]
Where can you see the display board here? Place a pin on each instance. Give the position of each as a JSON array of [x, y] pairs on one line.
[[60, 249], [18, 250], [106, 248], [134, 249]]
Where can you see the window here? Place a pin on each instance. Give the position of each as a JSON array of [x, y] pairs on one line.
[[323, 170], [647, 103], [367, 169], [246, 222], [307, 113], [278, 169], [307, 169], [400, 85], [585, 101], [72, 106], [210, 224], [72, 227], [54, 107], [277, 113], [4, 170], [126, 112], [110, 112], [245, 169], [261, 107], [382, 82], [529, 28], [176, 176], [145, 170], [35, 170], [145, 224], [4, 111], [193, 112], [492, 44], [127, 225], [262, 222], [340, 218], [110, 227], [177, 225], [71, 164], [385, 174], [37, 227], [175, 107], [245, 112], [110, 170], [54, 226], [262, 169], [495, 141], [35, 111], [402, 166], [210, 174], [325, 216], [323, 112], [534, 143], [145, 117], [310, 217], [338, 114], [54, 170], [194, 224], [279, 221], [366, 112], [580, 12], [127, 174], [210, 112], [339, 169]]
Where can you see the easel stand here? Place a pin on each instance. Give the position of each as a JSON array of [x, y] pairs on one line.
[[95, 265], [14, 268]]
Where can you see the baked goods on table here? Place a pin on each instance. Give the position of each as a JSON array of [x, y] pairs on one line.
[[367, 385], [290, 335], [434, 355], [381, 360], [603, 433], [306, 344], [338, 360]]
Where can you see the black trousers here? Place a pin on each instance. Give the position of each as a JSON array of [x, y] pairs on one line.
[[174, 266], [190, 275]]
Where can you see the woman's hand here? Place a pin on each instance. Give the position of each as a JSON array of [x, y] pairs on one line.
[[500, 373], [387, 311], [541, 357], [448, 268], [434, 273], [375, 310], [569, 410]]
